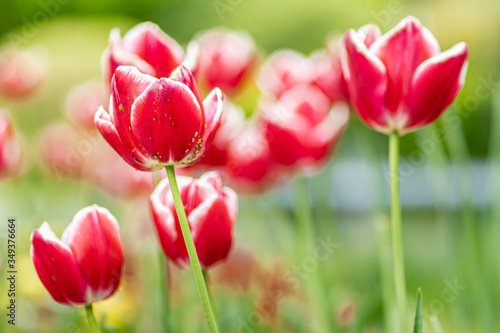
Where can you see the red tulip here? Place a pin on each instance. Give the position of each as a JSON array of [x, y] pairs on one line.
[[85, 265], [83, 101], [402, 82], [211, 212], [157, 122], [146, 47], [232, 122], [10, 147], [283, 70], [250, 165], [301, 129], [225, 59], [21, 72]]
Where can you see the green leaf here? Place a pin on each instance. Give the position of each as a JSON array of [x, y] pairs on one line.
[[419, 314]]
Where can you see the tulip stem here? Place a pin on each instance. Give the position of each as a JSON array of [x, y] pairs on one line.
[[193, 257], [207, 283], [91, 319], [397, 242], [306, 241]]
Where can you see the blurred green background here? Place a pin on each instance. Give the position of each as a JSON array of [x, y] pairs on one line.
[[74, 33]]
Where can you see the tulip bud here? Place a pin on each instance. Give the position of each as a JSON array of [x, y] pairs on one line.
[[211, 212], [225, 59], [283, 70], [21, 72], [145, 47], [402, 81], [153, 122], [85, 265]]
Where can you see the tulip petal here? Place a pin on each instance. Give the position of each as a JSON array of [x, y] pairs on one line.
[[154, 46], [57, 268], [211, 228], [366, 78], [213, 178], [108, 131], [213, 106], [94, 238], [402, 50], [369, 34], [167, 120], [436, 83], [164, 221], [114, 56], [183, 75]]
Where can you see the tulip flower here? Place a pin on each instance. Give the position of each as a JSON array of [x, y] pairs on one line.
[[232, 122], [21, 72], [83, 101], [10, 147], [211, 212], [225, 59], [283, 70], [146, 47], [85, 265], [302, 128], [402, 81], [153, 123], [250, 164]]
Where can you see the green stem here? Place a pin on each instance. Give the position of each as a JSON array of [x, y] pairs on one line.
[[306, 248], [209, 291], [397, 242], [91, 319], [193, 257], [164, 303]]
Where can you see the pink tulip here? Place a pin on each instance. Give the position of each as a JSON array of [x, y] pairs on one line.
[[85, 265], [225, 59], [211, 212], [153, 122], [146, 47], [302, 128], [283, 70], [402, 81], [83, 101], [10, 147], [21, 72]]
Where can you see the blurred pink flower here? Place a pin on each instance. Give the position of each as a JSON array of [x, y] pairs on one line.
[[83, 101], [21, 72], [11, 150]]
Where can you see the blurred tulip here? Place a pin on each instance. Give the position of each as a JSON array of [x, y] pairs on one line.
[[85, 265], [83, 101], [63, 149], [153, 122], [250, 166], [21, 72], [10, 147], [301, 129], [328, 75], [146, 47], [225, 59], [283, 70], [232, 122], [239, 271], [211, 212], [111, 173], [402, 81]]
